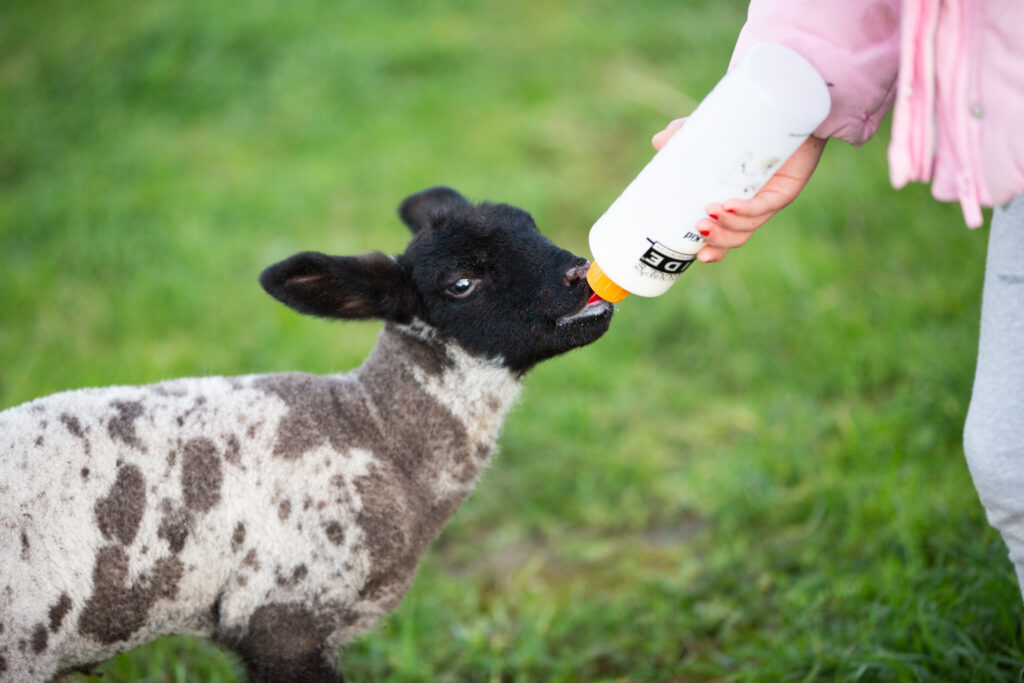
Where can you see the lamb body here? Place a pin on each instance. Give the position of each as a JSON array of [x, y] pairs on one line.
[[282, 514]]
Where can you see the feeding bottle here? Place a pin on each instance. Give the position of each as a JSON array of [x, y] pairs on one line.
[[749, 124]]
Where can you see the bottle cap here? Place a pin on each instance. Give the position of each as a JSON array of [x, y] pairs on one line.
[[603, 285]]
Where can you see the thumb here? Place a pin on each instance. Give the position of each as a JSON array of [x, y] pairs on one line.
[[661, 137]]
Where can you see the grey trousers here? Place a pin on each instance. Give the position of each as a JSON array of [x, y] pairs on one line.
[[994, 432]]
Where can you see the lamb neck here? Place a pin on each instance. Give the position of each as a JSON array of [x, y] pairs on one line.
[[438, 410]]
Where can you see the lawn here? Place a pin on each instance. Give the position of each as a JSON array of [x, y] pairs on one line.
[[755, 477]]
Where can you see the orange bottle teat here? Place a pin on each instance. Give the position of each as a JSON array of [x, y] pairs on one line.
[[603, 285]]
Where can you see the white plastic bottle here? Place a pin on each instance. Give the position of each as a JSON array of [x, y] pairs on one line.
[[739, 135]]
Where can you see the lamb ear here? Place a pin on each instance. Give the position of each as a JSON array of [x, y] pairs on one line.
[[370, 285], [429, 208]]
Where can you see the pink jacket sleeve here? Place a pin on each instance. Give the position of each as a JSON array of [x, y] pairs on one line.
[[854, 44]]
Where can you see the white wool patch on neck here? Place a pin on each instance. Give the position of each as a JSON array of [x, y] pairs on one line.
[[478, 391]]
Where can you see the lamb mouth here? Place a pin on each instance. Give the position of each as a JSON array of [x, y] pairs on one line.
[[589, 310]]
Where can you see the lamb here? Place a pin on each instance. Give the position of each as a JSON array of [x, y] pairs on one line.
[[283, 514]]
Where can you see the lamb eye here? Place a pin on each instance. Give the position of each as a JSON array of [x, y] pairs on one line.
[[462, 287]]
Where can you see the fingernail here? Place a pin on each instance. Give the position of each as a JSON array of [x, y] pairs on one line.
[[714, 216], [705, 233], [730, 210]]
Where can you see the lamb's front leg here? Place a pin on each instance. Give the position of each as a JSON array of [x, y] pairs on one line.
[[286, 643]]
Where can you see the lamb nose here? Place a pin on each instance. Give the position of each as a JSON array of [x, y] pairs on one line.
[[576, 273]]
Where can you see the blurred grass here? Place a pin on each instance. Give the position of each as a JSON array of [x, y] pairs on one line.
[[755, 477]]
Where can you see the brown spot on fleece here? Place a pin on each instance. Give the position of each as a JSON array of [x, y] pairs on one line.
[[40, 638], [174, 526], [321, 410], [384, 518], [398, 525], [58, 611], [73, 425], [117, 609], [335, 532], [201, 475], [233, 450], [122, 426], [299, 572], [120, 512], [338, 411]]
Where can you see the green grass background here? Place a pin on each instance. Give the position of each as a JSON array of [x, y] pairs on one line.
[[755, 477]]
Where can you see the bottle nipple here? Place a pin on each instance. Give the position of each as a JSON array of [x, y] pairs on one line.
[[603, 285]]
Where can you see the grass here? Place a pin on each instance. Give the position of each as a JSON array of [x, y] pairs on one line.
[[756, 477]]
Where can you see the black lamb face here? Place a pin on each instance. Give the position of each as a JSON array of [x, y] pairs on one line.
[[481, 275], [488, 279]]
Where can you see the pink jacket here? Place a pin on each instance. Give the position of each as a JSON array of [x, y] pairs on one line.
[[953, 68]]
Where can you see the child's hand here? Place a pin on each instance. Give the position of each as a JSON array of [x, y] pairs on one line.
[[730, 225]]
